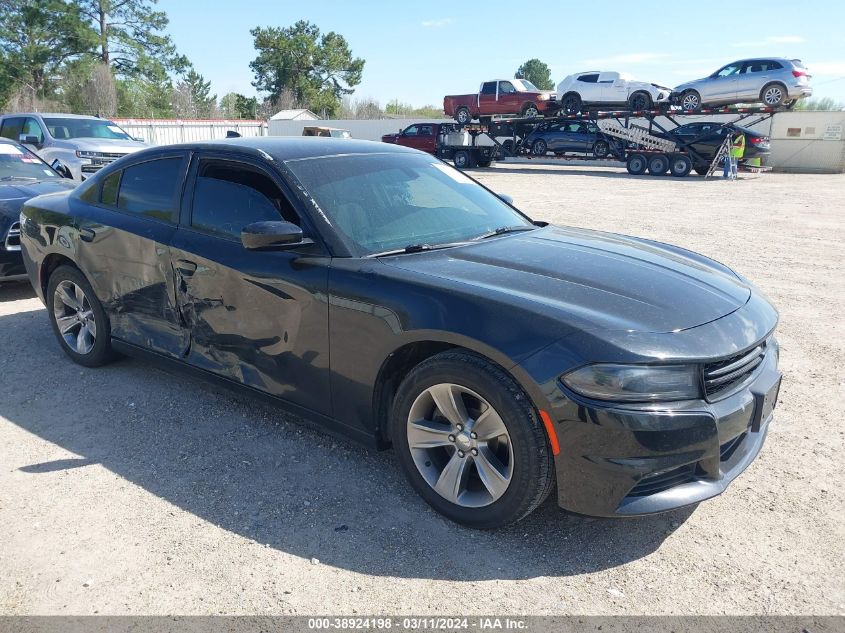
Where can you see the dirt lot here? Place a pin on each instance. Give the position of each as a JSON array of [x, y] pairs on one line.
[[129, 490]]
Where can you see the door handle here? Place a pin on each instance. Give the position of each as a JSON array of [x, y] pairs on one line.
[[186, 268], [87, 235]]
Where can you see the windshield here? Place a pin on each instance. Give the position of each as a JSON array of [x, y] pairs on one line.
[[85, 128], [527, 85], [382, 202], [18, 162]]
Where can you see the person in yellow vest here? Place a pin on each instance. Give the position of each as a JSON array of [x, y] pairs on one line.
[[736, 152]]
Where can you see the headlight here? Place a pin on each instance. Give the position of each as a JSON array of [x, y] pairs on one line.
[[85, 154], [635, 383]]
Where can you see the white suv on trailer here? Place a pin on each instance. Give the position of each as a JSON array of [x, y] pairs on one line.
[[618, 90]]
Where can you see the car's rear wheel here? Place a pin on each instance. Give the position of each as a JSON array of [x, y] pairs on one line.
[[680, 165], [463, 116], [774, 95], [658, 165], [640, 101], [571, 103], [690, 100], [637, 164], [539, 148], [530, 111], [601, 149], [470, 442], [78, 318]]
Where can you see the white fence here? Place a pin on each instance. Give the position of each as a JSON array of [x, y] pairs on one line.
[[365, 129], [170, 131]]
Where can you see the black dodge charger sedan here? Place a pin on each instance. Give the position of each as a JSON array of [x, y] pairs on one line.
[[23, 175], [384, 295]]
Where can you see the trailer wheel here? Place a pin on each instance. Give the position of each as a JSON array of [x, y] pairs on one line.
[[658, 165], [461, 159], [702, 169], [571, 103], [637, 164], [601, 149], [463, 116], [640, 101], [774, 95], [539, 148], [485, 162], [508, 147], [690, 100], [680, 165]]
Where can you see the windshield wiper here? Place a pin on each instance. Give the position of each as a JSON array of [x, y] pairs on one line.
[[18, 178], [505, 229], [416, 248]]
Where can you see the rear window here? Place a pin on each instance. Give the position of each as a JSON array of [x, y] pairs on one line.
[[488, 88], [151, 189]]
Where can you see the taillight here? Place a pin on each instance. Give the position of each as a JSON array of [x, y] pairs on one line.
[[759, 140], [799, 73]]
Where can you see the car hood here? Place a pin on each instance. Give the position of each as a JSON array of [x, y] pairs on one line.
[[111, 145], [592, 280], [13, 193], [691, 84]]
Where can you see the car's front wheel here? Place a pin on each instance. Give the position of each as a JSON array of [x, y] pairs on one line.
[[539, 148], [470, 441], [78, 318]]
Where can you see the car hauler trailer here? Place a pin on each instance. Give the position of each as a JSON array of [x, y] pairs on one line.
[[636, 137]]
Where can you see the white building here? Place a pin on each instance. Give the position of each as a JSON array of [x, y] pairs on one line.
[[300, 114]]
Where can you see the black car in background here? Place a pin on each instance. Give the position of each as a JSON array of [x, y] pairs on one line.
[[706, 138], [23, 175], [571, 136], [384, 295]]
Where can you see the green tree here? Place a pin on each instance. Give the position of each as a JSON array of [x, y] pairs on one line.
[[130, 38], [537, 73], [317, 69], [824, 103], [237, 106], [192, 97], [36, 38]]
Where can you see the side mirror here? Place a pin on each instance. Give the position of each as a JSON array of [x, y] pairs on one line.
[[29, 139], [505, 197], [62, 169], [272, 235]]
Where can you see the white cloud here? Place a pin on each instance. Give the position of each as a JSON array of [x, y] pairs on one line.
[[775, 39], [435, 24], [628, 58]]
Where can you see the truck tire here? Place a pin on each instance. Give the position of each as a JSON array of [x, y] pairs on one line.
[[702, 169], [530, 111], [508, 147], [570, 103], [640, 101], [637, 164], [462, 159], [658, 165], [680, 165], [463, 116], [485, 162], [774, 95]]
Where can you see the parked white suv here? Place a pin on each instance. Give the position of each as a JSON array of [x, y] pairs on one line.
[[83, 144], [618, 90]]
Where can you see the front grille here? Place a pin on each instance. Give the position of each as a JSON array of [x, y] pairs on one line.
[[652, 484], [97, 163], [13, 237], [723, 375]]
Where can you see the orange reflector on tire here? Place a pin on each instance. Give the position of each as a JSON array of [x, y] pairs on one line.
[[550, 430]]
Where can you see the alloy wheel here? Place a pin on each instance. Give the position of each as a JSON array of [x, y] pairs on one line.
[[460, 445], [74, 317], [773, 96], [690, 101]]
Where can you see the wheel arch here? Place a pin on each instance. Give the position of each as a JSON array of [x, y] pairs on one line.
[[49, 264]]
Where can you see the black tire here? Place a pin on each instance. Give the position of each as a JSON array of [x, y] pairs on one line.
[[658, 165], [601, 149], [101, 351], [774, 95], [485, 120], [570, 103], [539, 148], [485, 163], [690, 100], [640, 101], [680, 165], [462, 159], [701, 169], [463, 116], [530, 111], [532, 478], [637, 164], [508, 147]]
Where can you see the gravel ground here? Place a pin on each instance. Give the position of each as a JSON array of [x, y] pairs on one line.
[[129, 490]]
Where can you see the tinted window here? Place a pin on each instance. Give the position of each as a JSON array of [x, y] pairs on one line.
[[488, 88], [590, 79], [411, 131], [426, 130], [230, 195], [761, 66], [506, 87], [151, 189], [32, 128], [110, 186], [11, 128]]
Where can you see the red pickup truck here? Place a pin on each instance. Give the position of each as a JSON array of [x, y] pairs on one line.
[[422, 136], [502, 96]]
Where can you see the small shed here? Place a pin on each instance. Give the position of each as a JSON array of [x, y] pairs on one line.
[[300, 114]]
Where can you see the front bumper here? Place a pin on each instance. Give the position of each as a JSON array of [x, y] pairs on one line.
[[11, 266]]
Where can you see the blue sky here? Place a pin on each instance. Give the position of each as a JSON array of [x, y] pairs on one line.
[[419, 53]]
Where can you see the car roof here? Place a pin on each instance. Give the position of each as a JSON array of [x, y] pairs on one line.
[[284, 148], [49, 115]]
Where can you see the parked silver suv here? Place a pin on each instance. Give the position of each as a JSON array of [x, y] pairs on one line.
[[84, 144], [772, 81]]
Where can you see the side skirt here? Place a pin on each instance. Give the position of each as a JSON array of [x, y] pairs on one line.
[[313, 419]]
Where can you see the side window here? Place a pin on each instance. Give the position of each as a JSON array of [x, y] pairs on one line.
[[506, 88], [32, 128], [12, 128], [229, 195], [411, 131], [488, 88], [151, 189], [589, 79], [426, 130], [111, 184], [727, 71]]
